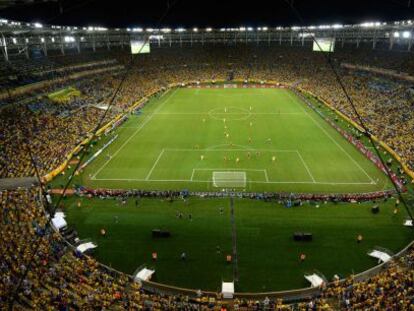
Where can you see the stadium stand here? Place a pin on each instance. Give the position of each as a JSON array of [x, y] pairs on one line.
[[392, 121], [61, 278]]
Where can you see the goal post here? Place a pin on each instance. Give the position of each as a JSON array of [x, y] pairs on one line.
[[229, 179]]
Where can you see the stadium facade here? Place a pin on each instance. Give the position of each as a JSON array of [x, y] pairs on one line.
[[19, 38]]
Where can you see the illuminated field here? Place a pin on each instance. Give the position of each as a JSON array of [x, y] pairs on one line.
[[191, 139], [269, 136]]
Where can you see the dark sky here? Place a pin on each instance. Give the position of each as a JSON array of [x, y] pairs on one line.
[[188, 13]]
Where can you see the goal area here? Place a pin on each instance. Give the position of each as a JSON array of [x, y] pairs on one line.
[[229, 179]]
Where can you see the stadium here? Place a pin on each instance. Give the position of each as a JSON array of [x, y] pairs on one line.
[[204, 167]]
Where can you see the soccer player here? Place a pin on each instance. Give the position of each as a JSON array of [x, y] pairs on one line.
[[251, 124], [269, 140], [248, 155], [183, 256], [225, 158], [202, 157], [237, 160], [250, 140], [273, 159]]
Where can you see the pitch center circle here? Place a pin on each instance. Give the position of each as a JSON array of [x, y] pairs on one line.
[[229, 113]]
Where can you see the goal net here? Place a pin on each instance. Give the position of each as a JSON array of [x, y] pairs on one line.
[[229, 179]]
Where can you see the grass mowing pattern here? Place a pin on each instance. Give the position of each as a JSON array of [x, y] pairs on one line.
[[186, 135], [268, 258]]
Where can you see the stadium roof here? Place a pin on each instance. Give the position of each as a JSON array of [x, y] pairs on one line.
[[212, 13]]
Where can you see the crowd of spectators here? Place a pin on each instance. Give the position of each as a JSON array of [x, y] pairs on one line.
[[388, 112], [42, 272]]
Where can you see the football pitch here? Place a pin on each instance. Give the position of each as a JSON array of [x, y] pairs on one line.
[[248, 139], [267, 255]]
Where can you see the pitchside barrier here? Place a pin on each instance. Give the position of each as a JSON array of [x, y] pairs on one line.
[[255, 83], [333, 197]]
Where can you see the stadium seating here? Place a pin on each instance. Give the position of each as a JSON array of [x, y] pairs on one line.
[[388, 112], [60, 278]]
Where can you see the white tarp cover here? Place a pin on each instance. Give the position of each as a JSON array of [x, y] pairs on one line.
[[59, 220], [227, 289], [408, 223], [382, 256], [144, 275], [314, 279], [86, 246], [102, 107]]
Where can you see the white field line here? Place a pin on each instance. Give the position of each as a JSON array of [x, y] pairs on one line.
[[266, 177], [155, 164], [227, 150], [254, 182], [230, 113], [133, 134], [335, 142], [229, 169], [306, 166]]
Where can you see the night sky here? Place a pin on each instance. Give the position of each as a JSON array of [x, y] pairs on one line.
[[213, 13]]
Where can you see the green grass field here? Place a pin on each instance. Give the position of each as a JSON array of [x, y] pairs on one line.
[[187, 136], [268, 258], [184, 138]]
